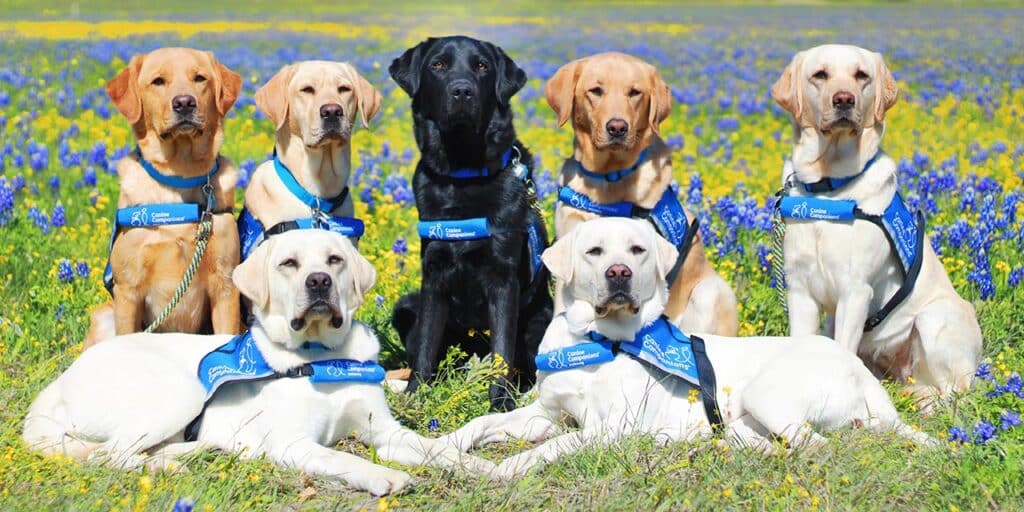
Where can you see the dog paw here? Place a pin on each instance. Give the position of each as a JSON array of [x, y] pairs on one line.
[[512, 468], [477, 466], [384, 482]]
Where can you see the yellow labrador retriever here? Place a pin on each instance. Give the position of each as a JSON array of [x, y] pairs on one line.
[[313, 105], [175, 100], [852, 249], [622, 168]]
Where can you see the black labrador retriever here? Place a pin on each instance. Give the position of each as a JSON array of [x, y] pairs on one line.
[[481, 234]]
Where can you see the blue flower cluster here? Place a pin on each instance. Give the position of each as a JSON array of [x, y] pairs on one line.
[[985, 431]]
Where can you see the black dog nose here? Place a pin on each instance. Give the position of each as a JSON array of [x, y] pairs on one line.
[[617, 128], [843, 100], [318, 282], [462, 90], [330, 111], [184, 103], [618, 274]]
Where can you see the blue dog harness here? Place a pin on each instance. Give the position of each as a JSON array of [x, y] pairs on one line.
[[660, 344], [668, 215], [477, 228], [240, 360], [163, 214], [251, 231], [904, 230]]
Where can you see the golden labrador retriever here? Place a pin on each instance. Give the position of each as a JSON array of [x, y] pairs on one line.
[[616, 103], [855, 270], [313, 106], [175, 100]]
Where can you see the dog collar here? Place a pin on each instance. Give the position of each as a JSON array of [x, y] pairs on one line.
[[833, 184], [176, 181], [483, 172], [614, 176], [316, 203]]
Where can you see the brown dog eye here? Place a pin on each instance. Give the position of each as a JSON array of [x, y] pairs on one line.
[[438, 65], [199, 79], [158, 81], [636, 249], [634, 93], [343, 89], [596, 91], [481, 66], [860, 75], [595, 251], [333, 259], [290, 262], [308, 89], [821, 75]]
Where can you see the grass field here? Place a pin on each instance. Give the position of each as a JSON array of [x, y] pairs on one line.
[[958, 133]]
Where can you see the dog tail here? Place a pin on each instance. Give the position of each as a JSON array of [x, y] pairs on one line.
[[101, 325], [403, 316]]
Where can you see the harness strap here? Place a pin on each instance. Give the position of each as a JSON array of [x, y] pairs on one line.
[[708, 384], [316, 203], [910, 275], [684, 250]]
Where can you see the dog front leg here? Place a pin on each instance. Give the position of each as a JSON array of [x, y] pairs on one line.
[[851, 312], [503, 312], [128, 310], [804, 312], [531, 424], [427, 333], [314, 459], [553, 449], [225, 307]]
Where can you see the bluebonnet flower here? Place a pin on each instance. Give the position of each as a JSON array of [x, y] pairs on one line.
[[59, 216], [545, 184], [6, 202], [60, 312], [1016, 275], [984, 432], [1009, 419], [89, 177], [675, 142], [957, 435], [366, 196], [64, 271], [696, 192], [958, 233], [379, 299], [18, 182], [968, 199], [82, 269], [399, 247], [762, 257], [984, 371], [97, 155], [433, 425], [183, 505], [39, 219]]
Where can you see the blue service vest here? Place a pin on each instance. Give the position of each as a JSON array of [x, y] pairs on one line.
[[659, 344], [904, 230], [240, 360]]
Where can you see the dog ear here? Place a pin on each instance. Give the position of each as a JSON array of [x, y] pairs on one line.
[[665, 254], [886, 90], [560, 90], [122, 90], [364, 276], [405, 70], [250, 277], [787, 91], [509, 77], [560, 257], [661, 100], [227, 83], [367, 97], [272, 98]]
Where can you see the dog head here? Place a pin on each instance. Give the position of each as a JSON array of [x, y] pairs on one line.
[[836, 89], [614, 268], [615, 100], [174, 92], [317, 101], [457, 81], [305, 285]]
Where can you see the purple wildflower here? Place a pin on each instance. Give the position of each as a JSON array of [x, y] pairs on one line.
[[64, 271]]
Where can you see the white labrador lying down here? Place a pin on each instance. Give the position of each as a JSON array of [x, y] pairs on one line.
[[780, 385], [134, 395]]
